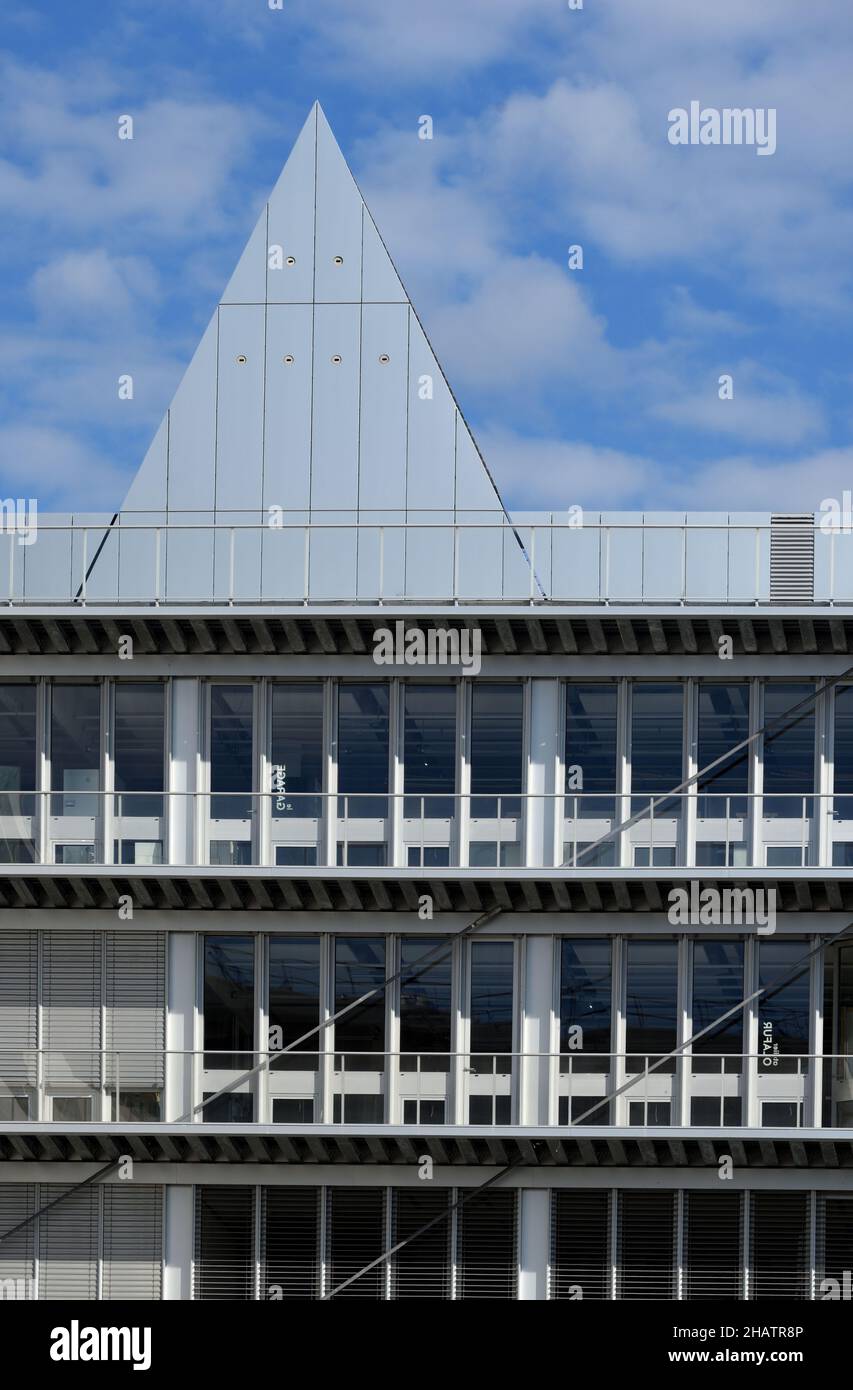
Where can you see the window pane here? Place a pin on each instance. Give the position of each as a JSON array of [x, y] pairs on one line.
[[789, 751], [843, 752], [17, 772], [585, 1002], [783, 1012], [656, 737], [491, 999], [425, 997], [139, 751], [717, 987], [497, 754], [363, 742], [652, 1001], [297, 749], [229, 1000], [75, 747], [231, 751], [723, 723], [430, 746], [359, 967], [591, 746], [294, 990]]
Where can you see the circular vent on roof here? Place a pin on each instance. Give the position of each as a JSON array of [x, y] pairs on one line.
[[291, 260], [288, 360], [339, 260], [242, 358], [337, 359], [383, 357]]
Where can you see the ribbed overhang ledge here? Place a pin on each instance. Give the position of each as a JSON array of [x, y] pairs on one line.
[[462, 1147], [540, 628], [259, 889]]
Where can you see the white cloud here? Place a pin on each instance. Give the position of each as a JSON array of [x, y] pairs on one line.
[[57, 469], [94, 284], [764, 407]]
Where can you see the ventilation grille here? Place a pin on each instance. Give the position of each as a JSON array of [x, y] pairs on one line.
[[792, 558]]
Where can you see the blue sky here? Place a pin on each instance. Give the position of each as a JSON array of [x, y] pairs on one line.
[[597, 387]]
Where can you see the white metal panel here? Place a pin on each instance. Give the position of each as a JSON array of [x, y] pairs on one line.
[[240, 407], [334, 476], [248, 284], [432, 428], [384, 374], [237, 555], [381, 283], [337, 277], [192, 429], [287, 414], [707, 554], [291, 222], [662, 556], [474, 488]]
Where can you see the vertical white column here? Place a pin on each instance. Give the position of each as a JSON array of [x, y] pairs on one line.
[[180, 1009], [533, 1243], [813, 1099], [543, 754], [178, 1262], [183, 770], [536, 1029]]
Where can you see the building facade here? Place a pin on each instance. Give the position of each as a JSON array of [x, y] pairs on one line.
[[364, 843]]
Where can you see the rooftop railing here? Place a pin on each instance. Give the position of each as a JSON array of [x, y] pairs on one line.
[[138, 562]]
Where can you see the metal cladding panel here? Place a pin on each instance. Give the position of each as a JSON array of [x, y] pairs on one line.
[[248, 284], [71, 998], [133, 1241], [283, 560], [291, 222], [381, 555], [47, 562], [240, 407], [527, 547], [334, 477], [474, 488], [18, 1009], [380, 281], [17, 1252], [333, 559], [431, 472], [429, 555], [11, 553], [135, 1008], [749, 558], [480, 552], [68, 1243], [192, 430], [662, 556], [189, 558], [576, 559], [384, 406], [237, 558], [94, 538], [142, 563], [826, 553], [148, 490], [623, 556], [287, 414], [707, 557], [337, 271]]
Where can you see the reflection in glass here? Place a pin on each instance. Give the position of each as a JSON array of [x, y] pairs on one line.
[[229, 1002], [585, 1005], [17, 772], [491, 1005], [591, 748], [231, 762], [429, 753], [652, 1002], [789, 752], [656, 749], [363, 723], [75, 748], [359, 968], [139, 747], [717, 987], [783, 1011], [425, 1003], [723, 723], [294, 998], [296, 755]]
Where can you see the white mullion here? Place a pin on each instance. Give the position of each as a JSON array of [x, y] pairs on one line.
[[691, 765], [623, 753], [463, 747]]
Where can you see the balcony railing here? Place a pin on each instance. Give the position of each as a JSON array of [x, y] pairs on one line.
[[530, 560], [699, 1089], [298, 830]]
